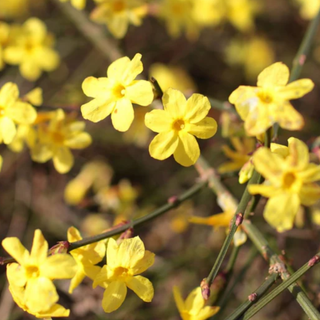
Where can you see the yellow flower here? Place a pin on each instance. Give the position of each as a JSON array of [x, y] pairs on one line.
[[14, 8], [116, 93], [178, 16], [172, 77], [208, 12], [56, 138], [222, 220], [125, 261], [290, 183], [309, 8], [260, 107], [86, 257], [12, 111], [118, 14], [30, 278], [194, 307], [4, 38], [32, 50], [241, 155], [254, 55], [177, 125], [79, 4]]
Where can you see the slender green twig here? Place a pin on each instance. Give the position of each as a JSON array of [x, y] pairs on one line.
[[276, 263], [252, 298], [283, 286], [173, 203], [301, 55]]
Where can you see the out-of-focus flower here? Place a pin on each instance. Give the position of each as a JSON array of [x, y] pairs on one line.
[[55, 139], [260, 107], [230, 125], [254, 55], [86, 257], [4, 38], [172, 77], [14, 8], [241, 13], [118, 14], [179, 218], [194, 307], [243, 148], [208, 12], [138, 133], [96, 174], [93, 224], [290, 182], [125, 261], [30, 278], [13, 111], [79, 4], [308, 8], [177, 125], [116, 93], [32, 50], [223, 219], [178, 16]]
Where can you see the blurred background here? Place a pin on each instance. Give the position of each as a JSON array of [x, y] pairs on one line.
[[213, 50]]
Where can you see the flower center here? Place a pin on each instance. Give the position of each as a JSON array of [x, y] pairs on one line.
[[57, 137], [288, 180], [265, 96], [32, 272], [119, 91], [179, 125], [2, 111], [178, 9], [120, 272], [118, 6]]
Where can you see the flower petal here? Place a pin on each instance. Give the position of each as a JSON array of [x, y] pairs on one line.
[[207, 312], [93, 87], [79, 141], [40, 294], [73, 234], [9, 93], [309, 194], [140, 92], [97, 109], [296, 89], [114, 296], [16, 275], [275, 75], [178, 299], [39, 250], [197, 108], [130, 252], [195, 301], [298, 154], [287, 117], [310, 174], [163, 145], [16, 250], [145, 263], [174, 102], [239, 238], [56, 310], [142, 287], [158, 120], [280, 211], [63, 262], [118, 68], [63, 160], [76, 280], [264, 190], [41, 153], [122, 115], [7, 129], [187, 152], [22, 113], [204, 129], [133, 68]]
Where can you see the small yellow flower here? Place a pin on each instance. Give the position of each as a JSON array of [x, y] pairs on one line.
[[308, 8], [4, 38], [79, 4], [222, 220], [14, 8], [260, 107], [243, 148], [194, 307], [125, 261], [290, 182], [30, 278], [178, 16], [118, 14], [208, 12], [32, 50], [12, 111], [56, 138], [86, 257], [177, 125], [116, 93]]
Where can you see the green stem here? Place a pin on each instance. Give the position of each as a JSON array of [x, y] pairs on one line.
[[165, 208], [283, 286], [234, 226], [232, 260], [252, 298], [275, 262]]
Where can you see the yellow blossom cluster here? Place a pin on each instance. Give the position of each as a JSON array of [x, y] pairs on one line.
[[31, 276], [30, 46]]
